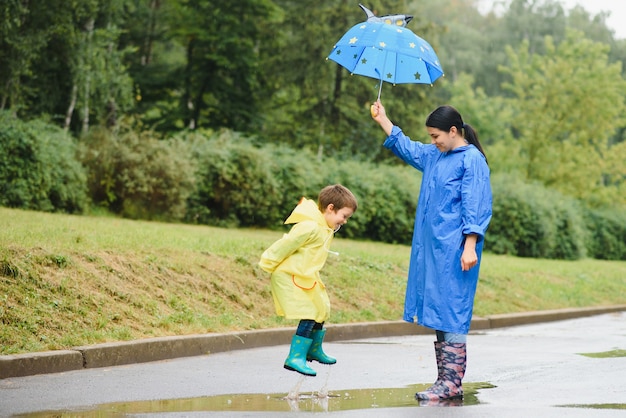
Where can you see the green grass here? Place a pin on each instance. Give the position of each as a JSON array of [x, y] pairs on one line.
[[75, 280]]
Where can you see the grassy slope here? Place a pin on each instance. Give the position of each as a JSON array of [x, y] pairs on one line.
[[76, 280]]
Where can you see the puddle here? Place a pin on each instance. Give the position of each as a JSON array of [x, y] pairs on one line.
[[340, 400], [606, 354], [597, 406]]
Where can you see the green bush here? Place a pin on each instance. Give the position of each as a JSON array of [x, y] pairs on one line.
[[532, 221], [298, 173], [239, 184], [234, 182], [39, 169], [138, 176], [607, 234]]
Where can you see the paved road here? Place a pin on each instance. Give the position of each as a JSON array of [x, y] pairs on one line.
[[524, 371]]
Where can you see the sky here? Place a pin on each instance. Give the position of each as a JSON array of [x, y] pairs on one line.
[[616, 21]]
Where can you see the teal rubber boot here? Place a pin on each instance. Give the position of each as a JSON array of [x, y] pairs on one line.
[[316, 352], [297, 356]]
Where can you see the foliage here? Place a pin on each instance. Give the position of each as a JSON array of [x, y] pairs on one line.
[[39, 169], [138, 176], [221, 83], [567, 105], [59, 56], [239, 184], [607, 234], [532, 221], [235, 185], [290, 121]]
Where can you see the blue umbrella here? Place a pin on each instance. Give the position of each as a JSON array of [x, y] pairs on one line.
[[387, 52]]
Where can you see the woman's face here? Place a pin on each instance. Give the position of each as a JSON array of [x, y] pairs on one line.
[[445, 141]]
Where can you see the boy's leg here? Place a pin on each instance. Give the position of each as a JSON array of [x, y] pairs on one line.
[[300, 346], [305, 327], [316, 352]]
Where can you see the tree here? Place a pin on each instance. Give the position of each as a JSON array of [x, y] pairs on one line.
[[24, 33], [221, 84], [568, 105]]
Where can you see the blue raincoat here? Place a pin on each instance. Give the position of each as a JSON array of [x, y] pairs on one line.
[[455, 201]]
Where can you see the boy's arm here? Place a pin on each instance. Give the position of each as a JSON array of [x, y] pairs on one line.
[[280, 250]]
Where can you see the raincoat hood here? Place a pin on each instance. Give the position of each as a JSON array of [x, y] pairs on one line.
[[307, 210]]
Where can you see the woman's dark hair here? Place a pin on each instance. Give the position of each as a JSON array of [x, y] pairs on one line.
[[445, 117]]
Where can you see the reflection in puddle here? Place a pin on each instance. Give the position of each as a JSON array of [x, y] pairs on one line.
[[597, 406], [340, 400]]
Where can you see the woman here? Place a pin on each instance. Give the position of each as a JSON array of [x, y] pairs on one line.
[[453, 212]]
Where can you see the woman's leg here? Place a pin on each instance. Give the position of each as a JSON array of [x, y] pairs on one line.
[[450, 351], [450, 337]]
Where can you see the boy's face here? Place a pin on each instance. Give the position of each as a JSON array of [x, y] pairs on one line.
[[335, 219]]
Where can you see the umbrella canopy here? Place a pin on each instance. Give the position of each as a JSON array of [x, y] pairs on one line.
[[387, 52]]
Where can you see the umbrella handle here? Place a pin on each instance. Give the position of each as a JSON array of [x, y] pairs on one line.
[[380, 87]]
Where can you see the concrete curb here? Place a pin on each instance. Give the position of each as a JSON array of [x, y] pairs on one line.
[[155, 349]]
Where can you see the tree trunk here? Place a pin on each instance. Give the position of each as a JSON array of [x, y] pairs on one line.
[[70, 109], [146, 58], [87, 86], [187, 101]]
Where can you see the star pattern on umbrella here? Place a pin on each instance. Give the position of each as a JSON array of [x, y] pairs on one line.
[[387, 53]]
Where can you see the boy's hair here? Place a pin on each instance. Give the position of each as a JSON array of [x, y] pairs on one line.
[[340, 196]]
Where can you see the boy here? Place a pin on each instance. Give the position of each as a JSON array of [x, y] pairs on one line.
[[295, 261]]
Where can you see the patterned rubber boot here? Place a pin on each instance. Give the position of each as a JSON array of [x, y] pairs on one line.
[[316, 352], [439, 358], [296, 360], [454, 362]]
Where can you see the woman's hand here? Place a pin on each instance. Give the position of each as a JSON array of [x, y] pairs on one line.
[[469, 258], [377, 110]]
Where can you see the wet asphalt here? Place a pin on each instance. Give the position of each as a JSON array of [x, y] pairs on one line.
[[525, 371]]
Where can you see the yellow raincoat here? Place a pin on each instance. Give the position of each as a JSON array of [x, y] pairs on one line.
[[295, 262]]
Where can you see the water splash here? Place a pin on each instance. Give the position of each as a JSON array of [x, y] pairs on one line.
[[294, 393]]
